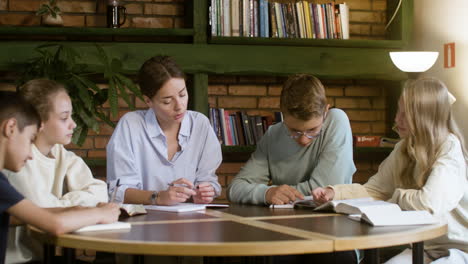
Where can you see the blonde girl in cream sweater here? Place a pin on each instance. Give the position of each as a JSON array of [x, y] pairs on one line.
[[426, 170]]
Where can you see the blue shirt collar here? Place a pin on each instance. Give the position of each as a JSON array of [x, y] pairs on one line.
[[154, 130]]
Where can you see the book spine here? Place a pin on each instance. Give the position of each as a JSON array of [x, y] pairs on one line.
[[261, 15], [251, 18], [256, 20], [246, 126], [279, 19], [240, 129], [312, 20], [228, 133], [252, 128], [226, 18], [246, 18], [232, 122], [306, 14], [235, 18], [241, 18], [344, 11], [222, 125], [274, 27], [219, 18]]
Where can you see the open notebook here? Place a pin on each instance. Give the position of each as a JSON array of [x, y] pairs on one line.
[[376, 213]]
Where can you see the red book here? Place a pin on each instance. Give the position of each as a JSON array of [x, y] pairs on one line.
[[366, 141]]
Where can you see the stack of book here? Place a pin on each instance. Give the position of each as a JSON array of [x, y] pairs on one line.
[[288, 19], [236, 128]]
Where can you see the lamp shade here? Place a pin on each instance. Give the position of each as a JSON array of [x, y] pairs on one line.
[[414, 61]]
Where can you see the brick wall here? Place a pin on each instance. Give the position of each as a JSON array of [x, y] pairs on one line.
[[92, 13], [363, 101]]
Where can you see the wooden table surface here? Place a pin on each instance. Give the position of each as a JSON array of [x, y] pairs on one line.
[[243, 230]]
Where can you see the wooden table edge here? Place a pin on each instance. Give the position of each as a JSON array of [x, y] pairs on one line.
[[258, 248], [398, 238]]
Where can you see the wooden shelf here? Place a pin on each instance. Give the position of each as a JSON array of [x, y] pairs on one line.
[[347, 43], [242, 153], [92, 31], [323, 62]]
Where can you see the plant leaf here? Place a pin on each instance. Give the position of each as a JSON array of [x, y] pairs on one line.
[[113, 97], [130, 85], [83, 93], [106, 119], [89, 120], [123, 93], [102, 56]]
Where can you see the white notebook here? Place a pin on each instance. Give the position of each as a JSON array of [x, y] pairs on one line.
[[183, 207], [103, 227]]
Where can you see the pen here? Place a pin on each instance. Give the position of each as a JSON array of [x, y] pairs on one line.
[[114, 193], [180, 185]]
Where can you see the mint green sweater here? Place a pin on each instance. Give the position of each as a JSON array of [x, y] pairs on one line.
[[280, 160]]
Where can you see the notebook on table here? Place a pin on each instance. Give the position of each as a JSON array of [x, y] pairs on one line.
[[183, 207], [105, 227]]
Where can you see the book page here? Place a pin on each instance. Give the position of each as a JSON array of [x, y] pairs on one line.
[[363, 206], [399, 218], [133, 209], [331, 205]]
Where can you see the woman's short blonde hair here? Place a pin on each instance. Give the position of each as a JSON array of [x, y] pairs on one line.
[[303, 97]]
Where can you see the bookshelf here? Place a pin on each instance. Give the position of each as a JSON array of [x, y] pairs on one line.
[[200, 55]]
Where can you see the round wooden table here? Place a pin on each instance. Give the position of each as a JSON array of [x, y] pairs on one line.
[[246, 230]]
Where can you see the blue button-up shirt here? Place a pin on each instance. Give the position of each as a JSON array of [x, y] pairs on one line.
[[137, 153]]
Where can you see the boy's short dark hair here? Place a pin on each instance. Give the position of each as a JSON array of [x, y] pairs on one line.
[[12, 105], [303, 97], [155, 72]]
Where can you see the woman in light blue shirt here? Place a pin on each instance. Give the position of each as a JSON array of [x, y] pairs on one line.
[[166, 154]]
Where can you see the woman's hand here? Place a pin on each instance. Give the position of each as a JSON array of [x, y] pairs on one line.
[[204, 193], [323, 195], [179, 191]]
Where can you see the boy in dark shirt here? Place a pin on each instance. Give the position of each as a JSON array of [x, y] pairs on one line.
[[19, 123]]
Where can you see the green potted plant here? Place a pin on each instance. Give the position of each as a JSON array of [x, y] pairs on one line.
[[61, 63], [50, 13]]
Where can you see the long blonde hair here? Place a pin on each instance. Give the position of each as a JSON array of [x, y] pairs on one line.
[[429, 119]]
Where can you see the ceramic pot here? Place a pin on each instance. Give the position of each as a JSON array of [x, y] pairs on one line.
[[49, 20]]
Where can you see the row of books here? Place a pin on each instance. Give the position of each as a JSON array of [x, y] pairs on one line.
[[237, 128], [263, 18]]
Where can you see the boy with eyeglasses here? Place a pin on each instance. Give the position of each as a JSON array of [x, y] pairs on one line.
[[311, 148]]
